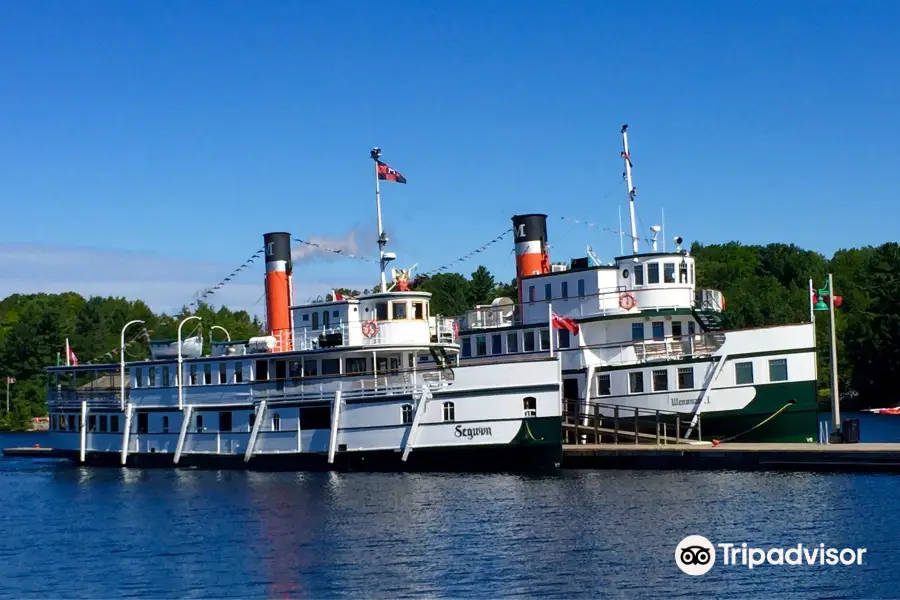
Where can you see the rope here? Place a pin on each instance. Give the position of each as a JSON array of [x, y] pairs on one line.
[[760, 424]]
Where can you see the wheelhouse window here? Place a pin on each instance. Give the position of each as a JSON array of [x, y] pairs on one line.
[[604, 387], [512, 342], [636, 382], [406, 414], [545, 339], [686, 378], [669, 272], [660, 380], [639, 275], [743, 373], [399, 310], [529, 407], [652, 273], [683, 272], [480, 345], [778, 369], [528, 337], [449, 411], [381, 311], [418, 310]]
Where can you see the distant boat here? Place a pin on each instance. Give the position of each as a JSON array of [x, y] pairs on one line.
[[884, 411]]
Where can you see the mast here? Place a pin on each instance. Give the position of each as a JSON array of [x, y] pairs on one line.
[[382, 239], [631, 191]]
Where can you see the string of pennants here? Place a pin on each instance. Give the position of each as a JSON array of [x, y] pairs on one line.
[[231, 276], [470, 255], [332, 250], [600, 227]]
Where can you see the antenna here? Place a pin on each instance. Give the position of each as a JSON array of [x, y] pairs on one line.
[[631, 190]]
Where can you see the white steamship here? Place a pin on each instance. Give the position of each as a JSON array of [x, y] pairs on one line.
[[334, 385], [642, 338]]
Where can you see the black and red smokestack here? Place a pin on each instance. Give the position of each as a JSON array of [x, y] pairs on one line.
[[532, 257], [279, 288]]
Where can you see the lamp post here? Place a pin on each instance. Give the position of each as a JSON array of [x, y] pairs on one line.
[[228, 335], [122, 363], [820, 305], [180, 391]]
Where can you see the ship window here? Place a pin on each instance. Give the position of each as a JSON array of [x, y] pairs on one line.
[[355, 365], [315, 417], [743, 373], [238, 372], [295, 369], [659, 331], [564, 292], [223, 373], [418, 310], [280, 370], [207, 374], [138, 376], [636, 382], [548, 291], [114, 424], [683, 272], [529, 406], [305, 317], [152, 373], [676, 330], [311, 368], [604, 387], [660, 380], [529, 340], [166, 379], [193, 375], [399, 310], [406, 414], [143, 422], [92, 422], [165, 423], [336, 314], [104, 423], [467, 347], [199, 423], [653, 273], [637, 332], [276, 422], [331, 366], [480, 345], [225, 420], [581, 288], [686, 378], [251, 420], [73, 424], [692, 273], [669, 272], [381, 311], [496, 344], [778, 369], [512, 342], [532, 295], [262, 370], [545, 339], [449, 411], [563, 338], [638, 274], [315, 320], [325, 320]]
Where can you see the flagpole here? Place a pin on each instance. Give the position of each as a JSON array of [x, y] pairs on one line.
[[382, 240], [7, 394], [550, 322], [67, 353]]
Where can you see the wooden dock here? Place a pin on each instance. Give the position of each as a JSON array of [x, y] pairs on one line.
[[862, 457]]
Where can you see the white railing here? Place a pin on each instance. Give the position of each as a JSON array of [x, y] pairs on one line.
[[646, 351], [369, 387], [67, 399]]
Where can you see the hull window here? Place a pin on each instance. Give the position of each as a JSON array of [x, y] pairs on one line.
[[315, 417], [604, 387], [636, 383], [743, 373], [529, 406], [660, 380], [406, 414], [143, 422], [570, 389], [276, 422], [778, 369], [686, 378], [449, 411]]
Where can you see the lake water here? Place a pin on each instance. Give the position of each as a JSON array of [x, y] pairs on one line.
[[70, 532]]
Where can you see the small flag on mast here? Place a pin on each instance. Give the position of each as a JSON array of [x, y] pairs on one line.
[[386, 173], [560, 322], [10, 380]]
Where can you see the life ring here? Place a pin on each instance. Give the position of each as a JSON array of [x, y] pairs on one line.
[[627, 301], [723, 303], [455, 330], [370, 329]]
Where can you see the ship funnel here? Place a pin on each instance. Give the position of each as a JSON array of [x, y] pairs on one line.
[[279, 289], [532, 257]]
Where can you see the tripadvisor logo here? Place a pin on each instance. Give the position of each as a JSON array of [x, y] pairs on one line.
[[696, 555]]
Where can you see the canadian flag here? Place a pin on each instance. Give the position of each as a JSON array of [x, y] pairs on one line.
[[560, 322], [70, 354]]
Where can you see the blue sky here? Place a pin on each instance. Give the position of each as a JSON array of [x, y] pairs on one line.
[[150, 145]]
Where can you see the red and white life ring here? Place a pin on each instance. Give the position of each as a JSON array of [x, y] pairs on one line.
[[370, 329], [627, 301]]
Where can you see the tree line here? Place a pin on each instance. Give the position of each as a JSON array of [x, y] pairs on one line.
[[764, 285]]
